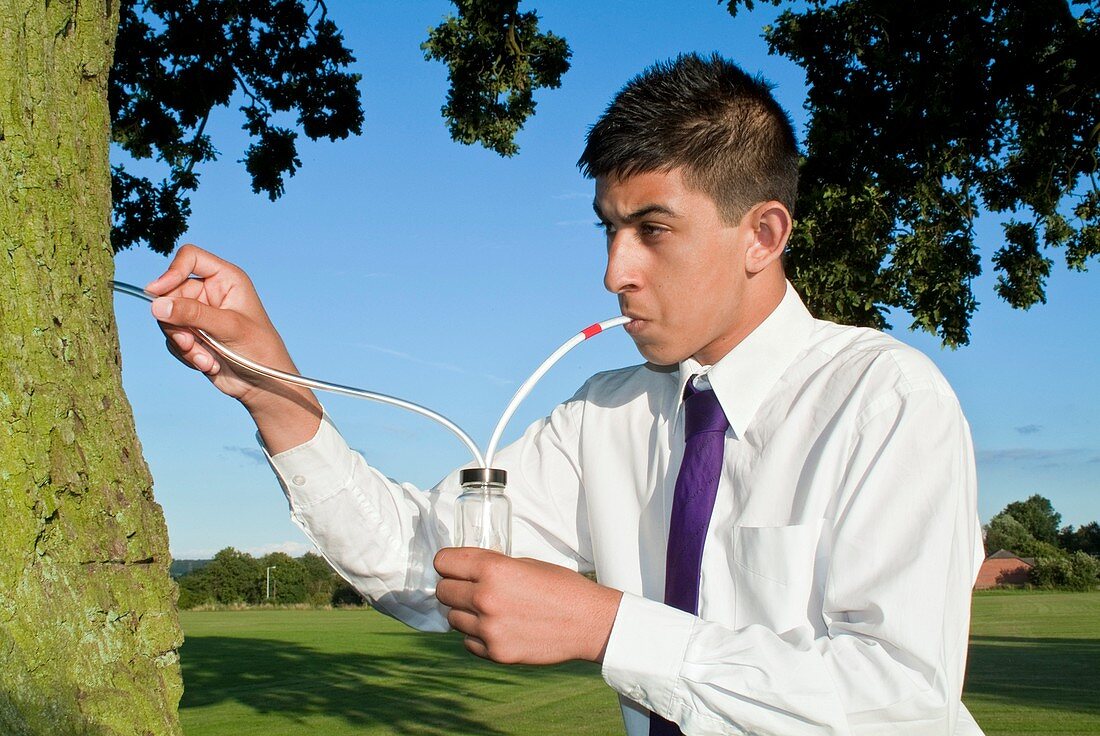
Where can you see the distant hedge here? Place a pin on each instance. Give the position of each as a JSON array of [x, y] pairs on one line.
[[235, 577], [1079, 571]]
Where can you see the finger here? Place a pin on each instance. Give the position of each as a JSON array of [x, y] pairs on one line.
[[203, 358], [181, 337], [462, 563], [195, 358], [189, 349], [205, 362], [463, 621], [190, 289], [476, 646], [455, 593], [182, 312], [178, 270], [189, 260]]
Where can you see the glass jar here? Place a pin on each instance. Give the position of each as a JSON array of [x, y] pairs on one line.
[[483, 514]]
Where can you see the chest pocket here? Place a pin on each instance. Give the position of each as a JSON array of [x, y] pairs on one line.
[[773, 573]]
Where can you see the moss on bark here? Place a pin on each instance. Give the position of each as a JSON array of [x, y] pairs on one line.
[[88, 629]]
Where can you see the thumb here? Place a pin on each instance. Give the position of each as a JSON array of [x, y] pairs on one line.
[[182, 312]]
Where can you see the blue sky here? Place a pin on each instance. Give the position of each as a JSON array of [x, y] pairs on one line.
[[402, 262]]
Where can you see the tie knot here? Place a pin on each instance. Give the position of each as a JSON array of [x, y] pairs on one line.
[[702, 412]]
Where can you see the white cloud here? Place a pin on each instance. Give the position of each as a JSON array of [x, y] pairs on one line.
[[294, 549], [451, 367], [252, 453], [1045, 458], [193, 554]]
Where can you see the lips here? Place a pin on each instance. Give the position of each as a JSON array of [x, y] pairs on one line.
[[637, 323]]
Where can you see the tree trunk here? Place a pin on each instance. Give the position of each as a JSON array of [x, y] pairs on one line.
[[88, 629]]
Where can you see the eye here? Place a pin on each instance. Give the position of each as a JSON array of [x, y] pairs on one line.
[[605, 226], [652, 230]]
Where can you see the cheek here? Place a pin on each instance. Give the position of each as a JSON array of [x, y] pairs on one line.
[[681, 301]]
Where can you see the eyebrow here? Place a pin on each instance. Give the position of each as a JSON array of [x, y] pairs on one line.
[[644, 211]]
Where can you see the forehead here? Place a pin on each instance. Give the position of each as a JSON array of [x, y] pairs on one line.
[[619, 196]]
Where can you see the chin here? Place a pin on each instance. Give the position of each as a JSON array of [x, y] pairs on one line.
[[657, 356]]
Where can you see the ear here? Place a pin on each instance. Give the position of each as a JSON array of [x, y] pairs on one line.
[[770, 224]]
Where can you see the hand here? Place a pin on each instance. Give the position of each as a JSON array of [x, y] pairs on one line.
[[523, 611], [224, 303]]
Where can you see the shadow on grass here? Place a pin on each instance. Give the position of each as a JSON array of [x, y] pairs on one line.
[[1056, 674], [429, 685]]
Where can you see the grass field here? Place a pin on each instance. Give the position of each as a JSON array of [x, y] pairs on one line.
[[1035, 663], [293, 673], [1034, 669]]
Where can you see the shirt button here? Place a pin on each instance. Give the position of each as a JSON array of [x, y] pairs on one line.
[[298, 480], [635, 693]]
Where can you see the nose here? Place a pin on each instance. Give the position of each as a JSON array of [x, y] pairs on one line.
[[622, 273]]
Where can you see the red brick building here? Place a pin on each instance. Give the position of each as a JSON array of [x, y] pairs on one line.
[[1003, 568]]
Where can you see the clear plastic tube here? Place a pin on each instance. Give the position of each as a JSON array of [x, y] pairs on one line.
[[314, 383], [535, 377]]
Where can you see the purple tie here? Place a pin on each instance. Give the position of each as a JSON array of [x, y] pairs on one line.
[[705, 427]]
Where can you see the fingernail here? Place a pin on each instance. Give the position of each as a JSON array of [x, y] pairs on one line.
[[162, 308], [204, 362]]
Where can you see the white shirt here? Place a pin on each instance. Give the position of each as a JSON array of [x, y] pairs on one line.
[[837, 568]]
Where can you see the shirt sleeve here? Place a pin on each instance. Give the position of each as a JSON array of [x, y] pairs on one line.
[[382, 536], [890, 645]]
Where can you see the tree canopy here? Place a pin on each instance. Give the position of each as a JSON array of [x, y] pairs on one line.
[[1038, 516], [1029, 528], [1085, 538], [496, 57], [921, 117], [1077, 571], [234, 578], [1006, 532], [176, 60]]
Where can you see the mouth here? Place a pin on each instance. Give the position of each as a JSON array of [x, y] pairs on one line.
[[635, 325]]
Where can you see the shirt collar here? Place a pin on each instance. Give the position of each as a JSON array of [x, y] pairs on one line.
[[744, 376]]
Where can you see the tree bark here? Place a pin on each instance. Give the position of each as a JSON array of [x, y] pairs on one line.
[[88, 628]]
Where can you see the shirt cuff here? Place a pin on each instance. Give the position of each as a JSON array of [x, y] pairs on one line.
[[316, 469], [646, 650]]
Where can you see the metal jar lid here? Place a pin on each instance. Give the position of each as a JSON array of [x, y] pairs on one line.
[[483, 476]]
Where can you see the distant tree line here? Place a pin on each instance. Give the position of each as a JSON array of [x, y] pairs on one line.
[[178, 568], [1065, 557], [237, 578]]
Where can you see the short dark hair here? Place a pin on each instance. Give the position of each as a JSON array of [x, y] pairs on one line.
[[733, 140]]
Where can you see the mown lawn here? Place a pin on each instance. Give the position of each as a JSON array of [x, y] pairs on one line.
[[330, 673], [1035, 663], [1034, 669]]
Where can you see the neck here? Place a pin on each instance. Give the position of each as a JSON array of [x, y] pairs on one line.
[[762, 296]]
